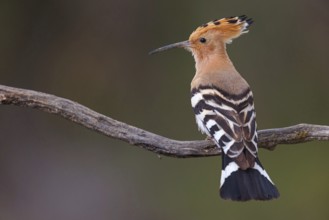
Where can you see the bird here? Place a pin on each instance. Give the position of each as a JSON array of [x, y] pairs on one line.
[[223, 105]]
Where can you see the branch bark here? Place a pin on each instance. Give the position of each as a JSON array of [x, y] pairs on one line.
[[95, 121]]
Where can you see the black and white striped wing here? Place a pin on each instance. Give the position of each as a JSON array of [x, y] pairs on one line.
[[229, 119]]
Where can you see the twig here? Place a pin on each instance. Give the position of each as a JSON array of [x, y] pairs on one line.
[[88, 118]]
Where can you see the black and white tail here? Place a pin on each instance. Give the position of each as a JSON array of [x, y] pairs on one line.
[[242, 185]]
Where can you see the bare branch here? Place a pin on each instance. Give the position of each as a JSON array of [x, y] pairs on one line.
[[88, 118]]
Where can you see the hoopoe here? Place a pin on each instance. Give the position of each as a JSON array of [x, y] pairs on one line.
[[224, 109]]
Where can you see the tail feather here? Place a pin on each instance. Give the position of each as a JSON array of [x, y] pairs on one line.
[[242, 185]]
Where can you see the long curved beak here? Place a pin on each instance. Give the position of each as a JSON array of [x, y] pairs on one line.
[[183, 44]]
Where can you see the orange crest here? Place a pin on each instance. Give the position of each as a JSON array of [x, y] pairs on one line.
[[228, 28]]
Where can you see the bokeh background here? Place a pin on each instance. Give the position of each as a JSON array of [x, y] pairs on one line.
[[96, 53]]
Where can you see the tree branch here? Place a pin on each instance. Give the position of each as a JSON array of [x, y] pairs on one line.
[[88, 118]]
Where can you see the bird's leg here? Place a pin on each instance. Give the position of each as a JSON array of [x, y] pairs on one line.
[[208, 138]]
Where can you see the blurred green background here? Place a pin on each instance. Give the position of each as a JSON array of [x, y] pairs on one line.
[[96, 53]]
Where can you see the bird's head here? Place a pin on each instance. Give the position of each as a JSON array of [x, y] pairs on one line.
[[212, 36]]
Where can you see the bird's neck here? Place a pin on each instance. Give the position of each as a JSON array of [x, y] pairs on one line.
[[216, 61], [216, 69]]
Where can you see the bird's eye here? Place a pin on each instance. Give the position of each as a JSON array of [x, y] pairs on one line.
[[203, 40]]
